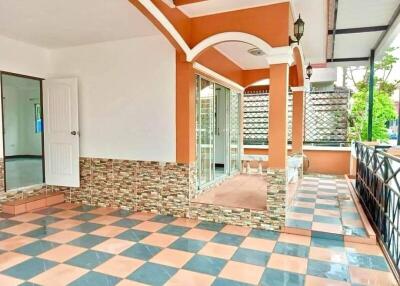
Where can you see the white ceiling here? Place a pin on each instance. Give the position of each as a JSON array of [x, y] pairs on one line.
[[217, 6], [238, 53], [62, 23], [314, 14]]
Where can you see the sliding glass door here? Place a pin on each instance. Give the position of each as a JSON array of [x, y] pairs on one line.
[[217, 132], [205, 131], [234, 132]]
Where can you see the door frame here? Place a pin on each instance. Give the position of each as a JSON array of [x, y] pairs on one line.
[[2, 120]]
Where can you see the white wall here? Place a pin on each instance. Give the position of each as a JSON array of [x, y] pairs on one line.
[[126, 97]]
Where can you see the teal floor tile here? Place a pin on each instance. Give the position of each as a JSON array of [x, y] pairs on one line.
[[95, 278], [228, 282], [85, 208], [141, 251], [291, 249], [208, 225], [163, 218], [265, 234], [4, 235], [301, 210], [205, 264], [327, 219], [328, 270], [45, 221], [29, 268], [88, 240], [133, 235], [7, 223], [42, 232], [89, 259], [367, 261], [85, 216], [327, 243], [87, 227], [36, 248], [174, 230], [251, 256], [126, 222], [153, 274], [121, 213], [229, 239], [273, 277], [187, 244], [296, 223]]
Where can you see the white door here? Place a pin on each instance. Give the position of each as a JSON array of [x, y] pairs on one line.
[[61, 133]]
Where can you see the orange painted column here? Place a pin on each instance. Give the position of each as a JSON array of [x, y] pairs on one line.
[[185, 111], [279, 78], [298, 122]]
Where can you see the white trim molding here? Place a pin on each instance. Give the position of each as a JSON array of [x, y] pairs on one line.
[[280, 55], [297, 88], [229, 37], [217, 77], [166, 24]]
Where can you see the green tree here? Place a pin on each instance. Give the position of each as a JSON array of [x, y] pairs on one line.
[[383, 109]]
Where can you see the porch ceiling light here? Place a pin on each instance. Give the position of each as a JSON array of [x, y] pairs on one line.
[[298, 31], [309, 71]]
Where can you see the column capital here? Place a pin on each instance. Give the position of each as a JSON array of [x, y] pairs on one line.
[[297, 88], [280, 55]]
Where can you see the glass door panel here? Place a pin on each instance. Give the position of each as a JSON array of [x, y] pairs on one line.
[[234, 132], [205, 131]]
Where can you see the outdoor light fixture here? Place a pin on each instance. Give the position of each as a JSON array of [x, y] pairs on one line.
[[309, 71], [298, 31]]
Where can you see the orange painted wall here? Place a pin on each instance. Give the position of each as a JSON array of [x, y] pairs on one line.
[[268, 22], [321, 161], [214, 60], [252, 76]]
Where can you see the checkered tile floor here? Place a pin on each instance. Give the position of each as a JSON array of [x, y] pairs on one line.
[[79, 245], [324, 204]]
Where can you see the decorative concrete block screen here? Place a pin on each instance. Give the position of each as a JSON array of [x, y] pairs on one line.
[[326, 117], [255, 118]]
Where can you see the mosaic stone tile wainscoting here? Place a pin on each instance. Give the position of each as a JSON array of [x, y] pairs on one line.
[[277, 190], [136, 185]]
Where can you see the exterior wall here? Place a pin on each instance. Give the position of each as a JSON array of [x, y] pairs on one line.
[[334, 161]]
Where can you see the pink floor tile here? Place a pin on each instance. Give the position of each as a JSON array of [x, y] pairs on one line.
[[242, 272], [27, 217], [218, 250], [15, 242], [369, 249], [288, 263], [142, 216], [103, 211], [327, 254], [21, 228], [61, 274], [62, 253], [330, 213], [64, 236], [293, 238], [300, 216], [125, 282], [172, 257], [109, 231], [10, 259], [304, 204], [105, 219], [327, 227], [189, 278], [119, 266], [149, 226], [238, 230], [66, 214], [258, 244], [318, 281], [9, 281], [159, 239], [200, 234], [369, 277], [186, 222], [66, 223], [327, 202], [114, 245]]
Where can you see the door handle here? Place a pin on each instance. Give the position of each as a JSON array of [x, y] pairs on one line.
[[74, 133]]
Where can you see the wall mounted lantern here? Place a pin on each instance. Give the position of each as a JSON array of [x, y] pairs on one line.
[[298, 31], [309, 71]]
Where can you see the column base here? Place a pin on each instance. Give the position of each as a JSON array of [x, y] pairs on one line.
[[277, 190]]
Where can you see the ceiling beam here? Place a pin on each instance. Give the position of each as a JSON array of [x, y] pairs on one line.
[[334, 27], [341, 60], [186, 2], [359, 30]]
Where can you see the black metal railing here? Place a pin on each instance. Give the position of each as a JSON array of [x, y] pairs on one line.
[[378, 186]]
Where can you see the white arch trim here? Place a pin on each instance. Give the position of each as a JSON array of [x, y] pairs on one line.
[[228, 37], [166, 24]]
